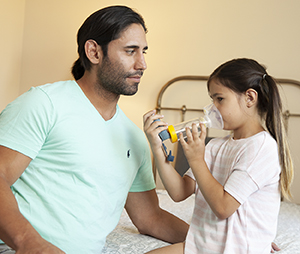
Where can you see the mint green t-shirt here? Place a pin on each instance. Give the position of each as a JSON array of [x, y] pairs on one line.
[[82, 168]]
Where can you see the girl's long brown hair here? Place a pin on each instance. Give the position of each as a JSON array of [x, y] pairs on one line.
[[242, 74]]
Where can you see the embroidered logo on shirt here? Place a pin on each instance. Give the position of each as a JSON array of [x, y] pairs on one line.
[[128, 153]]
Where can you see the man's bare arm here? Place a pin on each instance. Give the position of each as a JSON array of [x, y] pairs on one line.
[[15, 230], [145, 213]]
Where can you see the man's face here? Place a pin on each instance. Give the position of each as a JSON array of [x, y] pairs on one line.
[[121, 70]]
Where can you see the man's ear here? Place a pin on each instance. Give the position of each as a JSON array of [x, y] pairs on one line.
[[251, 97], [93, 51]]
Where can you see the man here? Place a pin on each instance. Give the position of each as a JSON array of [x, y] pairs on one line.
[[70, 160]]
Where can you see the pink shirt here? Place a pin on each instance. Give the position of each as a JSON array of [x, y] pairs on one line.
[[249, 170]]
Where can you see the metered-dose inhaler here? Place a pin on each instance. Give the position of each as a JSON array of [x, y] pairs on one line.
[[211, 119]]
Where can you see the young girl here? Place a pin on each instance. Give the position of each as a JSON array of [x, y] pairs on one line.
[[237, 179]]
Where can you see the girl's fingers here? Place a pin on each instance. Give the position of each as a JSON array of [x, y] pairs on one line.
[[157, 124], [188, 134], [148, 114], [195, 131], [182, 141], [149, 120], [203, 131], [192, 134]]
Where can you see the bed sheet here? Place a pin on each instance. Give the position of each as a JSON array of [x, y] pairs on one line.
[[288, 230], [125, 239]]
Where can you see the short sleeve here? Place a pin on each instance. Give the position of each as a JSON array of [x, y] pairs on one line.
[[257, 166], [144, 179], [25, 122], [240, 185]]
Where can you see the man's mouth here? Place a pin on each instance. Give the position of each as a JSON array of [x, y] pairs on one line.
[[135, 77]]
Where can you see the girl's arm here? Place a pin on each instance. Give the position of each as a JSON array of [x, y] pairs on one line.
[[222, 203], [179, 188]]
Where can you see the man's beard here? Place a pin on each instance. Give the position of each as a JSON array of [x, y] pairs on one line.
[[112, 78]]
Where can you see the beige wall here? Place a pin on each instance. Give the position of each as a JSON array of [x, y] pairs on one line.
[[11, 43], [185, 38]]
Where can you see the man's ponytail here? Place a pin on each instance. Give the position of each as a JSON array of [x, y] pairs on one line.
[[77, 69]]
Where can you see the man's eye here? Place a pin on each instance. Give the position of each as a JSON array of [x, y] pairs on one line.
[[130, 52]]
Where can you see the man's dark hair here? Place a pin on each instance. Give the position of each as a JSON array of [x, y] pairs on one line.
[[103, 26]]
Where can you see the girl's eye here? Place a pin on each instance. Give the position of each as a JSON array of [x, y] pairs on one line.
[[219, 99]]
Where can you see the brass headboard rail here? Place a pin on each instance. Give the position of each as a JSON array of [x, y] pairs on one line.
[[287, 114], [184, 109]]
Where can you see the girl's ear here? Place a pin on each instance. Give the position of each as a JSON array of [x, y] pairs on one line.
[[251, 97], [93, 51]]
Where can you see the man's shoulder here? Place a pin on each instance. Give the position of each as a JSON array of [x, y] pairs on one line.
[[58, 87]]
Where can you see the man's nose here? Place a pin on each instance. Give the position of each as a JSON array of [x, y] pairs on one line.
[[141, 63]]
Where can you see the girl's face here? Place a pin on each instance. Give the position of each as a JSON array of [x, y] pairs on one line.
[[231, 105]]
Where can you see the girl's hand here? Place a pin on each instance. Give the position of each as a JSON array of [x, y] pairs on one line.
[[152, 128], [194, 147]]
